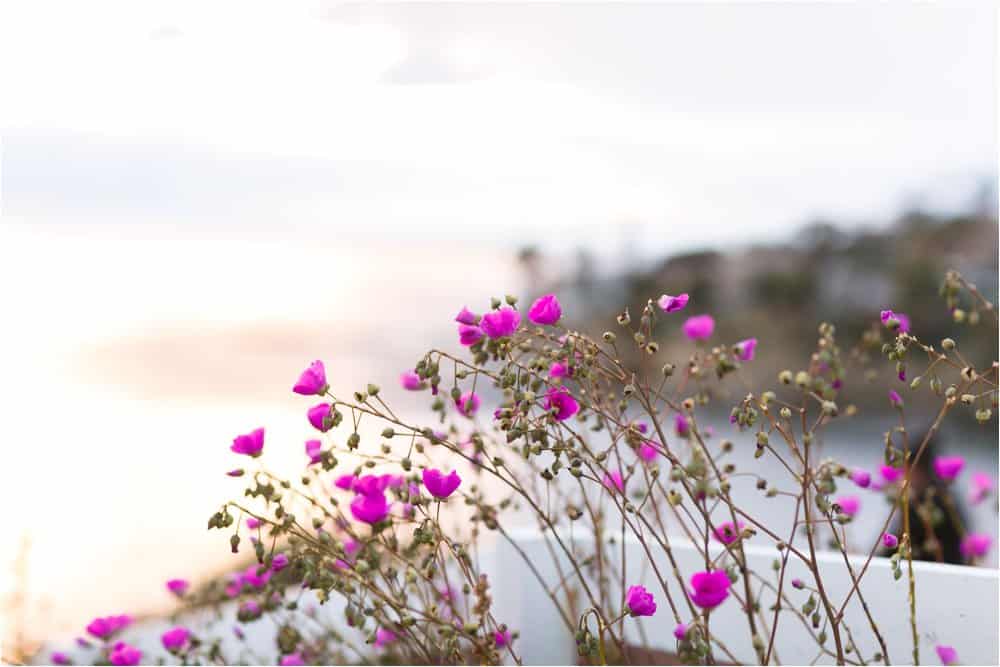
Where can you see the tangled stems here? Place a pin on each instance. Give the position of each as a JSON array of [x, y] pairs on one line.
[[643, 467]]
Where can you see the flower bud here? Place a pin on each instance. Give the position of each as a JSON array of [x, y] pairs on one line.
[[948, 344], [785, 377], [668, 370], [609, 336]]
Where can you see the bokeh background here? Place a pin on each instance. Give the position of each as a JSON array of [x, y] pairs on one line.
[[200, 198]]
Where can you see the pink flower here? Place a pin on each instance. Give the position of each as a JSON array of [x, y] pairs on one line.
[[745, 349], [248, 610], [648, 451], [370, 485], [440, 485], [903, 320], [411, 381], [384, 637], [710, 588], [890, 474], [104, 627], [948, 467], [314, 450], [279, 562], [640, 601], [861, 477], [895, 398], [178, 587], [319, 417], [370, 508], [501, 323], [981, 484], [469, 334], [312, 381], [60, 658], [681, 425], [699, 327], [235, 472], [975, 545], [250, 444], [252, 523], [613, 480], [175, 639], [468, 403], [545, 310], [292, 659], [671, 304], [562, 401], [124, 654], [727, 533], [890, 541], [849, 505], [680, 631], [558, 370], [946, 654], [345, 482], [501, 638], [466, 316]]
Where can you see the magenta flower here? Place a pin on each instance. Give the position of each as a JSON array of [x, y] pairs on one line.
[[279, 562], [370, 485], [545, 310], [252, 523], [727, 533], [671, 304], [980, 486], [384, 637], [370, 508], [904, 321], [501, 638], [106, 626], [640, 601], [895, 398], [648, 451], [312, 381], [946, 654], [975, 545], [250, 444], [500, 323], [681, 426], [745, 349], [125, 654], [235, 472], [798, 584], [948, 467], [562, 401], [178, 587], [319, 417], [345, 482], [440, 485], [890, 474], [314, 450], [699, 327], [410, 381], [680, 631], [468, 403], [175, 639], [613, 480], [890, 541], [861, 477], [60, 658], [558, 370], [292, 659], [849, 505], [469, 334], [466, 316], [709, 589]]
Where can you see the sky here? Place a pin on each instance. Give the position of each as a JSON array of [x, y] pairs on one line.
[[200, 198], [684, 124]]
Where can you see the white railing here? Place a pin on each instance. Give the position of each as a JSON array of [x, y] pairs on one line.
[[956, 605]]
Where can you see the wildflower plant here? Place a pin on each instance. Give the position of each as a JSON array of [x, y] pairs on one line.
[[534, 421]]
